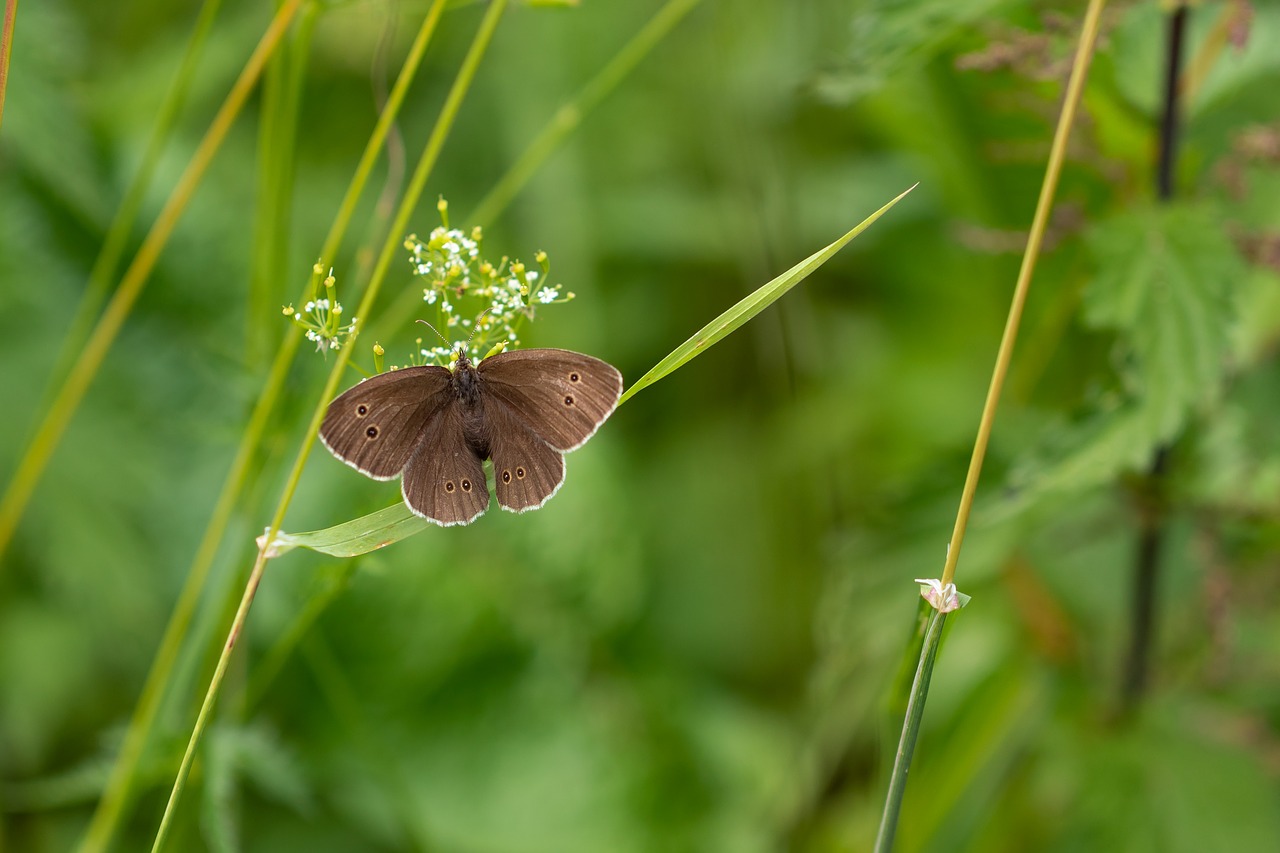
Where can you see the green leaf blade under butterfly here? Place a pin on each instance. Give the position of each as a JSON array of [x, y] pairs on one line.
[[760, 299], [352, 538]]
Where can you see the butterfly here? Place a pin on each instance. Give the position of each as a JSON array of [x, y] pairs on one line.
[[434, 427]]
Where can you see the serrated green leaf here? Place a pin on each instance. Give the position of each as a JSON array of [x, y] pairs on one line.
[[1163, 286], [355, 537]]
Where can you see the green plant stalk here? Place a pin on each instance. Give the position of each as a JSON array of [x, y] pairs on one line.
[[566, 120], [6, 49], [394, 240], [118, 789], [135, 278], [928, 653], [1057, 153], [117, 237], [910, 733]]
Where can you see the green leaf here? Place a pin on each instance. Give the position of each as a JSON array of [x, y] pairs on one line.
[[355, 537], [712, 333], [1164, 285]]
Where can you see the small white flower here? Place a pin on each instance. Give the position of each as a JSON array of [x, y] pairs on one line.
[[546, 296], [944, 599], [429, 296]]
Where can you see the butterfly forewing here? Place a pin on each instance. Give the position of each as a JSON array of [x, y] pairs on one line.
[[561, 396], [526, 470], [376, 425], [444, 479]]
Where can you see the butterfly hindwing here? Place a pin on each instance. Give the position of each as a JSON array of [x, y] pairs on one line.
[[444, 480], [526, 470], [375, 426], [561, 396]]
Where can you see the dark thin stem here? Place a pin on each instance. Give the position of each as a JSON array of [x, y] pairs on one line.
[[1170, 119], [1153, 511], [1146, 572]]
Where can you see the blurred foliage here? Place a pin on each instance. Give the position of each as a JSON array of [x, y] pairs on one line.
[[681, 651]]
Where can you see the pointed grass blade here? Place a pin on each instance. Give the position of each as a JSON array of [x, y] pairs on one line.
[[355, 537], [749, 307]]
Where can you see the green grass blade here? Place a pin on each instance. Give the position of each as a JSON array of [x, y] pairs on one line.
[[355, 537], [910, 733], [766, 295]]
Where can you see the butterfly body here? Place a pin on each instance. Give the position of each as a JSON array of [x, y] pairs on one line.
[[434, 427]]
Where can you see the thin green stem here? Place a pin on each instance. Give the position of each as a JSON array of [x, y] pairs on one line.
[[6, 49], [392, 245], [1057, 154], [118, 790], [910, 733], [135, 278]]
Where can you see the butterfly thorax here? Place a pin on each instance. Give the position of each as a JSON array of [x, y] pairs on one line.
[[466, 384]]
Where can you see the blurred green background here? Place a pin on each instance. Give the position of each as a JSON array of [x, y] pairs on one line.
[[694, 646]]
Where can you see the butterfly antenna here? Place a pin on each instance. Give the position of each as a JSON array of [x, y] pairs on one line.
[[475, 325], [438, 335]]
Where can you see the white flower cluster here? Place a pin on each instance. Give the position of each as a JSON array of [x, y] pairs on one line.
[[465, 289], [322, 319]]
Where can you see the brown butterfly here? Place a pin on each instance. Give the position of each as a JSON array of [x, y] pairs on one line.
[[434, 427]]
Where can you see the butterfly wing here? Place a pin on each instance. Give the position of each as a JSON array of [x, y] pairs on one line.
[[444, 480], [526, 470], [561, 396], [375, 426]]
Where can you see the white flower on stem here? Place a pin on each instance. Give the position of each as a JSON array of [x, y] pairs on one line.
[[944, 599]]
